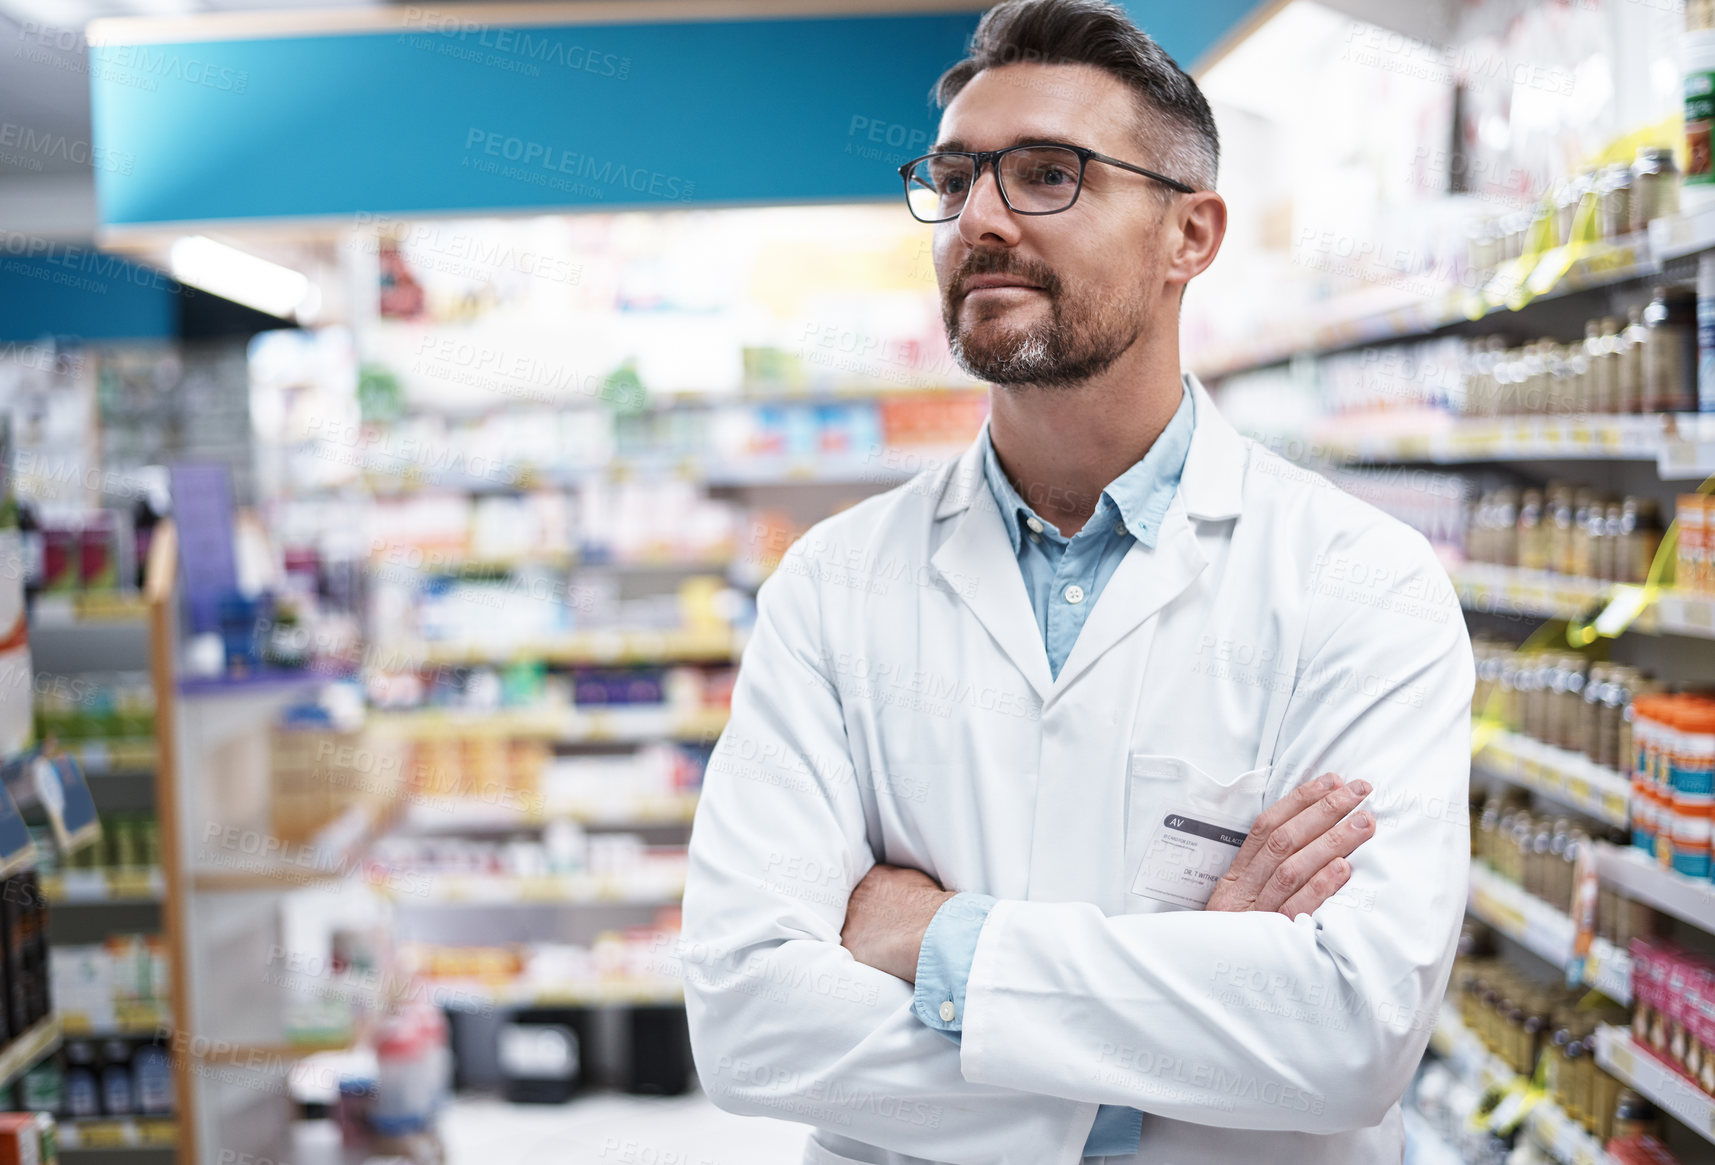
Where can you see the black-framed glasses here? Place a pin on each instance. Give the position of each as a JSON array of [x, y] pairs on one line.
[[1034, 179]]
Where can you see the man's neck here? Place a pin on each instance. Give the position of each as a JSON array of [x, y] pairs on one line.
[[1061, 447]]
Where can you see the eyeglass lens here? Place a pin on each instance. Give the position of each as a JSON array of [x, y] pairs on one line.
[[1036, 180]]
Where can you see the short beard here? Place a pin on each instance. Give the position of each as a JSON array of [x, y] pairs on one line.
[[1078, 342]]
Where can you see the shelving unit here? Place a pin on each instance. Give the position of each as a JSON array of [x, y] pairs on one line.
[[1504, 905], [1652, 455], [1628, 870], [29, 1049], [462, 815], [1568, 778], [1656, 1082], [1490, 589], [567, 889], [1549, 1127], [681, 645], [556, 726], [119, 1133], [1613, 263]]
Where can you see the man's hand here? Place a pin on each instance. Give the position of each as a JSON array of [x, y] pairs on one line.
[[1295, 857], [886, 916]]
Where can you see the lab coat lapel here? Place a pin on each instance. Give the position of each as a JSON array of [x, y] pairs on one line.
[[1144, 582], [1210, 490], [979, 565]]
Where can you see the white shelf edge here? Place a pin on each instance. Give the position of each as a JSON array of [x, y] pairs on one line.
[[1650, 1078], [1686, 899], [1565, 777]]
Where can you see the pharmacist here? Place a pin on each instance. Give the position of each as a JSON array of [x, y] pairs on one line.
[[1023, 842]]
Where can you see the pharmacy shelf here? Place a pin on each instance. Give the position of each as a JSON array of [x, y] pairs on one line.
[[1682, 445], [891, 467], [1460, 1047], [469, 815], [1569, 778], [1683, 234], [1687, 899], [118, 1133], [334, 855], [1563, 1138], [1608, 969], [1505, 590], [29, 1049], [97, 608], [106, 757], [1546, 932], [1428, 1147], [673, 645], [1532, 923], [458, 994], [103, 887], [441, 562], [1442, 439], [127, 1021], [616, 725], [268, 681], [1556, 1133], [407, 888], [1339, 329], [1622, 1056]]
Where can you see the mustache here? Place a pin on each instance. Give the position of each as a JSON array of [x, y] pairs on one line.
[[1002, 263]]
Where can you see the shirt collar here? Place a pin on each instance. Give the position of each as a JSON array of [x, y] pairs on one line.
[[1141, 494]]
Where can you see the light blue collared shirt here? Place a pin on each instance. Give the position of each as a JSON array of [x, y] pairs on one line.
[[1064, 577]]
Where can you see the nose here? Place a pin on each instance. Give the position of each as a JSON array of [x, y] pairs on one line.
[[985, 217]]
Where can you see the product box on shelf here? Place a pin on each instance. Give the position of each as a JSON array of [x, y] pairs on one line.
[[318, 774], [20, 1139], [1673, 1009]]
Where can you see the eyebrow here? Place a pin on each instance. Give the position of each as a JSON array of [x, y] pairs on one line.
[[957, 145]]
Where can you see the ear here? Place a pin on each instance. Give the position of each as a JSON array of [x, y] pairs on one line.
[[1202, 224]]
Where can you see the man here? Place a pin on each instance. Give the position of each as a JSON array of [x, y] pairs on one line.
[[1024, 842]]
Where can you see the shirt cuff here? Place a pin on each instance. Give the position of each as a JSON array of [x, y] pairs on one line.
[[1118, 1131], [944, 962]]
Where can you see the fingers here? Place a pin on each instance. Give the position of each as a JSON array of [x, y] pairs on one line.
[[1280, 812], [1337, 842], [1277, 834], [1322, 886]]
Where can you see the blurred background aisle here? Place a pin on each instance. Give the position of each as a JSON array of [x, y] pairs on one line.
[[400, 406]]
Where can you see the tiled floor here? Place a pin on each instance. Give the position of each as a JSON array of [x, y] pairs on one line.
[[615, 1129]]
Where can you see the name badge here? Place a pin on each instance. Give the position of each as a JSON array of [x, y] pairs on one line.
[[1188, 852]]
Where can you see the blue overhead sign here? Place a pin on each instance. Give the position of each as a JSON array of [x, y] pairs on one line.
[[438, 112]]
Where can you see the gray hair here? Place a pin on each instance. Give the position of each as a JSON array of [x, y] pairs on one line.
[[1094, 32]]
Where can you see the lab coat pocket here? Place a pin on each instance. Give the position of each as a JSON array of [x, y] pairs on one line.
[[1183, 829]]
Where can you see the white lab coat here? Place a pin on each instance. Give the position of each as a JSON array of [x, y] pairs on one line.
[[895, 705]]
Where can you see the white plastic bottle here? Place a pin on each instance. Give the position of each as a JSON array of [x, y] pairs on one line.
[[316, 1138]]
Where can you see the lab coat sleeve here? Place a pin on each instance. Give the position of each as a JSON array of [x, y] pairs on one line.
[[783, 1021], [944, 961], [1254, 1020]]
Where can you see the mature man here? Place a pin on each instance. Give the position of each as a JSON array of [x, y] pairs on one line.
[[1024, 842]]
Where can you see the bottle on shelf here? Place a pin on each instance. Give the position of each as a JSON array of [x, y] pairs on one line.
[[82, 1085]]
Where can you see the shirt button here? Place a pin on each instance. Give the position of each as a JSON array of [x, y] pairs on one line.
[[1119, 528], [1074, 594], [1034, 524], [947, 1012]]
